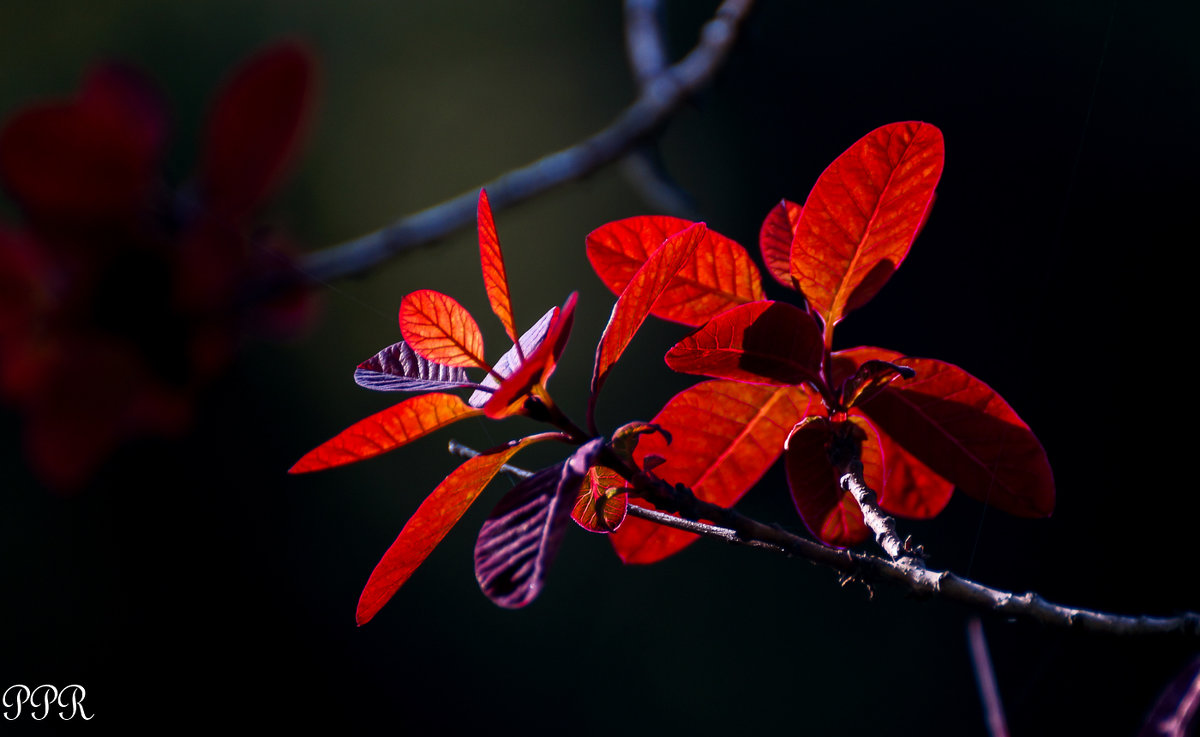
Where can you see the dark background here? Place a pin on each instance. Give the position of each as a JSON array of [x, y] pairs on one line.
[[195, 583]]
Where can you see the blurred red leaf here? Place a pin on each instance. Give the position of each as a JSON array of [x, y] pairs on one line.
[[440, 511], [92, 157], [642, 291], [537, 366], [966, 433], [441, 330], [726, 435], [719, 275], [830, 513], [775, 241], [495, 279], [255, 127], [862, 216], [761, 342], [386, 430]]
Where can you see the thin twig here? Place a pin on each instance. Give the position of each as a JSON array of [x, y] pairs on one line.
[[653, 106], [985, 677], [733, 527], [878, 521]]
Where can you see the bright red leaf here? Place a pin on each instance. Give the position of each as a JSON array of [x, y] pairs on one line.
[[761, 342], [719, 275], [428, 525], [255, 127], [725, 435], [910, 488], [775, 241], [386, 430], [862, 216], [441, 330], [639, 296], [495, 279]]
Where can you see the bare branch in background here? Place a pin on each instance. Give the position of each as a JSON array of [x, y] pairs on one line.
[[655, 104]]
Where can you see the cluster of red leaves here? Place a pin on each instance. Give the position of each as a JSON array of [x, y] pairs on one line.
[[441, 342], [119, 299], [780, 389]]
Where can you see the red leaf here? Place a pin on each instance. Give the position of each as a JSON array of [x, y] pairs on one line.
[[640, 294], [441, 330], [775, 241], [602, 501], [966, 433], [255, 127], [537, 367], [381, 432], [870, 377], [440, 511], [495, 279], [761, 342], [719, 275], [831, 514], [862, 216], [93, 157], [910, 488], [726, 435]]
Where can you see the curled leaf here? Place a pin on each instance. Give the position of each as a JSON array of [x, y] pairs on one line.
[[398, 368], [719, 275], [602, 501], [537, 367], [870, 377], [411, 419], [441, 330], [761, 342]]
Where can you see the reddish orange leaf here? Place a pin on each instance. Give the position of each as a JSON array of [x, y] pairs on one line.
[[441, 330], [719, 275], [495, 279], [602, 501], [831, 514], [537, 367], [439, 512], [761, 342], [726, 435], [862, 216], [870, 378], [967, 434], [775, 241], [383, 431], [640, 294]]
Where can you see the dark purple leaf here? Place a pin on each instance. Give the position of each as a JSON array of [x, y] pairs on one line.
[[511, 360], [398, 368], [522, 535]]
